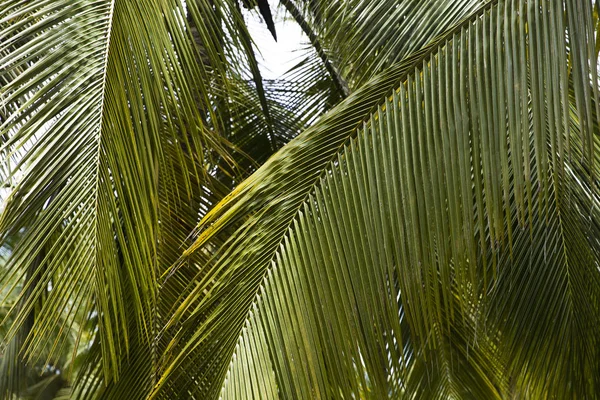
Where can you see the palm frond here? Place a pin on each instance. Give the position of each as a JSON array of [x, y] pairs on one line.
[[363, 38], [108, 127], [444, 247]]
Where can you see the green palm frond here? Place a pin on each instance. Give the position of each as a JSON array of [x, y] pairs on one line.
[[362, 38], [445, 247], [108, 130], [341, 54], [431, 233]]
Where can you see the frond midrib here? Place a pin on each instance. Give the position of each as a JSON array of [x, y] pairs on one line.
[[414, 62]]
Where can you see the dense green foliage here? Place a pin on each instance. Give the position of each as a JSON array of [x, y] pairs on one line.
[[411, 212]]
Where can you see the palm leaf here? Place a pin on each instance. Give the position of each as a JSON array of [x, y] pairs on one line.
[[445, 248], [108, 129], [362, 38]]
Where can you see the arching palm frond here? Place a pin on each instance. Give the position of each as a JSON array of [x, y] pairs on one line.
[[109, 128], [348, 42], [435, 242]]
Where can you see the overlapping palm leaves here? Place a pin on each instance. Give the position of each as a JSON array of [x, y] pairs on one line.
[[111, 128], [432, 236], [451, 210]]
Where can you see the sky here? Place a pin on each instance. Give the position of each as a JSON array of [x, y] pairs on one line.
[[277, 57]]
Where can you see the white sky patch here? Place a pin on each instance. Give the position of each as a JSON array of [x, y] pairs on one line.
[[276, 58]]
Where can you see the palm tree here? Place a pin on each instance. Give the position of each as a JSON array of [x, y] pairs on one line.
[[433, 232]]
